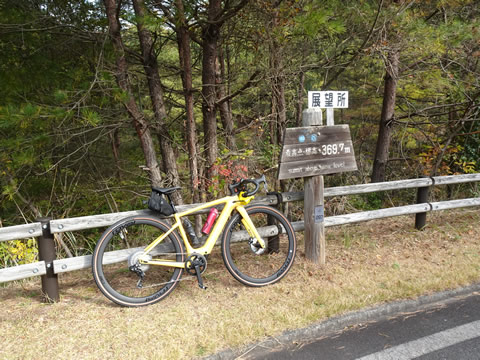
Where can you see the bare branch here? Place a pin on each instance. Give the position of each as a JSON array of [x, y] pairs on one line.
[[251, 81]]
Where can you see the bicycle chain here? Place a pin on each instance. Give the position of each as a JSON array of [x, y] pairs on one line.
[[184, 278]]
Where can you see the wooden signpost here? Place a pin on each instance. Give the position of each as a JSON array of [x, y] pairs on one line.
[[316, 150], [311, 151]]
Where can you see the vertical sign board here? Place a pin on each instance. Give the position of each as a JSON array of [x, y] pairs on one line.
[[316, 150], [328, 99]]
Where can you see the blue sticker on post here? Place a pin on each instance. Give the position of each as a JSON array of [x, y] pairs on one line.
[[301, 138], [313, 137]]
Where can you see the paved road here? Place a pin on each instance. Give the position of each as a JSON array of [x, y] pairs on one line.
[[446, 331]]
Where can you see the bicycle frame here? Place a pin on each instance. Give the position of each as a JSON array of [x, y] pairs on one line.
[[231, 203]]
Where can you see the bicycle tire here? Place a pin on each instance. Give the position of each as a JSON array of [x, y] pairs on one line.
[[241, 260], [116, 251]]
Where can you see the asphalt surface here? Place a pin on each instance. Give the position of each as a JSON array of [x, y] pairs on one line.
[[445, 325], [445, 331]]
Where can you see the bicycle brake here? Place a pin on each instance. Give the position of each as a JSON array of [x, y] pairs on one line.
[[255, 247]]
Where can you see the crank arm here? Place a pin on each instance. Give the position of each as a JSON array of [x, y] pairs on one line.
[[199, 278]]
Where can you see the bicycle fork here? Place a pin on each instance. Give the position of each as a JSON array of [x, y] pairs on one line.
[[257, 244]]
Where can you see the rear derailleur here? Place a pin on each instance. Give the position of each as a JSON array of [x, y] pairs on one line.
[[137, 269]]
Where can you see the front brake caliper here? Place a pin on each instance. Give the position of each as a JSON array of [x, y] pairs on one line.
[[255, 246]]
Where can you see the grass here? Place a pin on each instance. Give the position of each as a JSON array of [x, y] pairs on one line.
[[367, 264]]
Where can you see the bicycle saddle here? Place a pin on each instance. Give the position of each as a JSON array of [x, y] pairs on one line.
[[166, 191]]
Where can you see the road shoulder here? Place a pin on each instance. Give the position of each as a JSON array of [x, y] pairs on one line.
[[335, 324]]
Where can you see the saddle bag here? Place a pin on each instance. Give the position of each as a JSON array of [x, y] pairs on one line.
[[157, 203]]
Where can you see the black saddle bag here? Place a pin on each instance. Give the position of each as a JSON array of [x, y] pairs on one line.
[[158, 203]]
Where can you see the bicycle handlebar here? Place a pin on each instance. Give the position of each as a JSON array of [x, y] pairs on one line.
[[241, 186]]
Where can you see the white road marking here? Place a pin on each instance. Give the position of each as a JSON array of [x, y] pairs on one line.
[[428, 344]]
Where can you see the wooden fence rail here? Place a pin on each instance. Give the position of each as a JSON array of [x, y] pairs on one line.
[[42, 268], [20, 231]]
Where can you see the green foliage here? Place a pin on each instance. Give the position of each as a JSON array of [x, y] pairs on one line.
[[270, 154], [60, 106], [18, 252], [91, 117], [60, 96], [366, 202], [320, 19]]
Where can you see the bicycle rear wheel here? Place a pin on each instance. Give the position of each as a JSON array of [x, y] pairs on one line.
[[245, 261], [116, 269]]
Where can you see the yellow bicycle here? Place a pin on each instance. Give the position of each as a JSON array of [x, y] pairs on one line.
[[139, 260]]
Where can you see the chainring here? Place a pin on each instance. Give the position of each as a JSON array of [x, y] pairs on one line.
[[193, 260]]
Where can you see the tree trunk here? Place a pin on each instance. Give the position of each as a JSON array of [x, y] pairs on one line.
[[210, 36], [386, 119], [224, 107], [279, 113], [150, 65], [115, 139], [281, 107], [183, 40], [301, 90], [121, 75]]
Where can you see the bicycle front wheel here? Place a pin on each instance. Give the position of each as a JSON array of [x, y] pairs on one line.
[[250, 264], [117, 271]]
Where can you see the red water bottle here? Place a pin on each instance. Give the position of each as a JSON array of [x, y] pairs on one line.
[[212, 216]]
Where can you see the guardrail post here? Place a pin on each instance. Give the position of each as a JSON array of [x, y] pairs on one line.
[[47, 253], [421, 218], [273, 245]]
